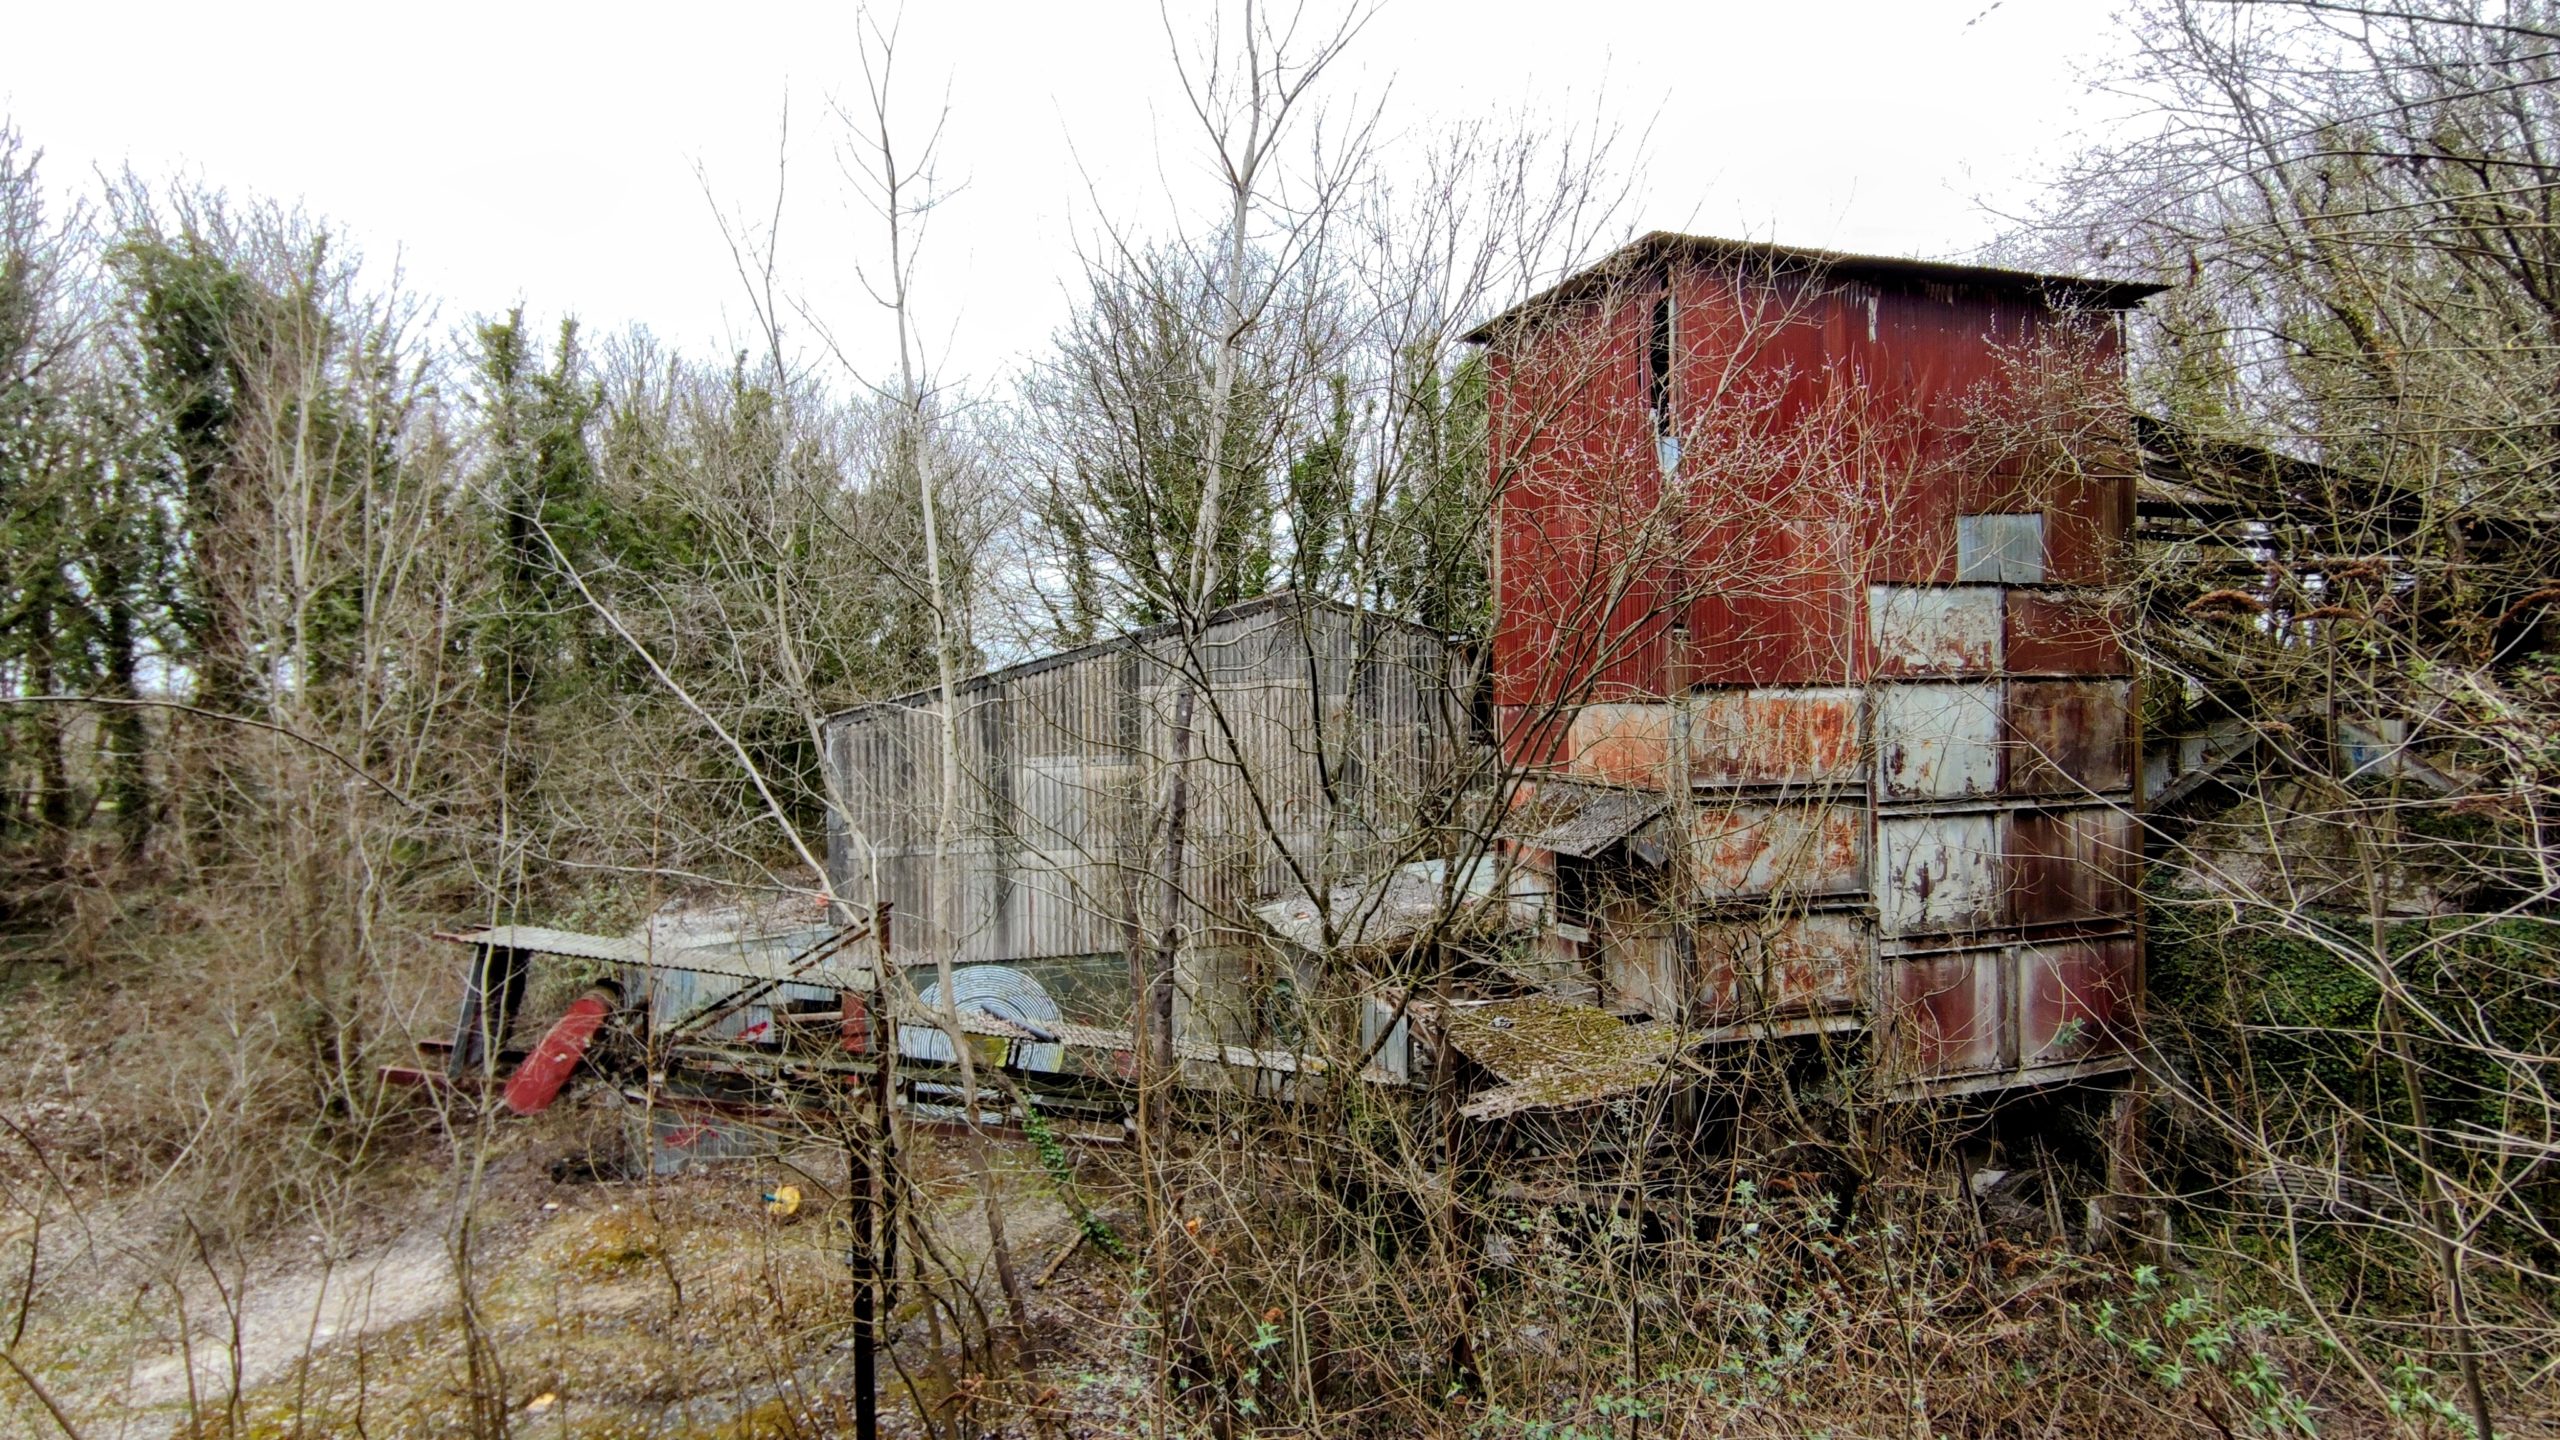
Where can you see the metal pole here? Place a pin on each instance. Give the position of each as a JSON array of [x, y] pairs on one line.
[[883, 1091], [870, 1250], [861, 1258]]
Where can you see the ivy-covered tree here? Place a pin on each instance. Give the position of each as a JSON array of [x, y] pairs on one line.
[[1434, 565], [1121, 421]]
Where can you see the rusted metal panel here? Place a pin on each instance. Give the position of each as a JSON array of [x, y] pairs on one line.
[[1773, 604], [1620, 744], [2090, 514], [2059, 632], [1937, 741], [1945, 1012], [1749, 849], [2075, 998], [1774, 736], [2067, 737], [1935, 629], [1782, 966], [2070, 865], [1577, 568], [1937, 873]]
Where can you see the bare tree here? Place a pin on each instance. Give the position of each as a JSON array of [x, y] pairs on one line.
[[2346, 616]]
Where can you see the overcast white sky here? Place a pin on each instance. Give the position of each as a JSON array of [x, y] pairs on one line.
[[547, 153]]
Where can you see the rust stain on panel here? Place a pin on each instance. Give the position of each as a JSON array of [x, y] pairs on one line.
[[1786, 848], [1945, 1011], [2066, 865], [1782, 967], [2067, 737], [1937, 873], [1937, 742], [1773, 736], [2075, 999], [1620, 744], [1935, 629]]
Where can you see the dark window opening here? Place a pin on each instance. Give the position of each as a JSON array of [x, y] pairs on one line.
[[1577, 891], [1666, 439], [1658, 366]]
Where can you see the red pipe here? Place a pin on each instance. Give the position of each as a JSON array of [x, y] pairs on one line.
[[537, 1081]]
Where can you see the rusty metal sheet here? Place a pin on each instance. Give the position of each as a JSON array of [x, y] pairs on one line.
[[2061, 632], [1783, 966], [2067, 737], [1937, 873], [1937, 741], [1620, 744], [1799, 847], [2091, 514], [1935, 629], [1789, 736], [1945, 1013], [2076, 998], [2070, 865]]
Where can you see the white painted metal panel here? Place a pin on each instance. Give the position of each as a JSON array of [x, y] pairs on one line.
[[1935, 629], [1937, 873], [1937, 742]]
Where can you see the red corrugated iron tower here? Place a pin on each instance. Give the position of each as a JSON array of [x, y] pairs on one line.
[[1813, 549]]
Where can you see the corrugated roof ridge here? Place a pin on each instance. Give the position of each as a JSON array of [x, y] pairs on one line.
[[1655, 245], [1269, 599]]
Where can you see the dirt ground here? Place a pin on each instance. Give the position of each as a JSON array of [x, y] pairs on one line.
[[609, 1307]]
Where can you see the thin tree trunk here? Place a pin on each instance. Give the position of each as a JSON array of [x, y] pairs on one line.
[[909, 453]]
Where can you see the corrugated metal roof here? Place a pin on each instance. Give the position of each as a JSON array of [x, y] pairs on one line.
[[1384, 911], [1583, 820], [1660, 245], [540, 940], [780, 956]]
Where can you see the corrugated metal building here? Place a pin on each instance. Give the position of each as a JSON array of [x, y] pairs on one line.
[[1318, 730], [1815, 547]]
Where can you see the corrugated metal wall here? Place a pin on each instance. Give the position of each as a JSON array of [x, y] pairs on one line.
[[1316, 730]]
